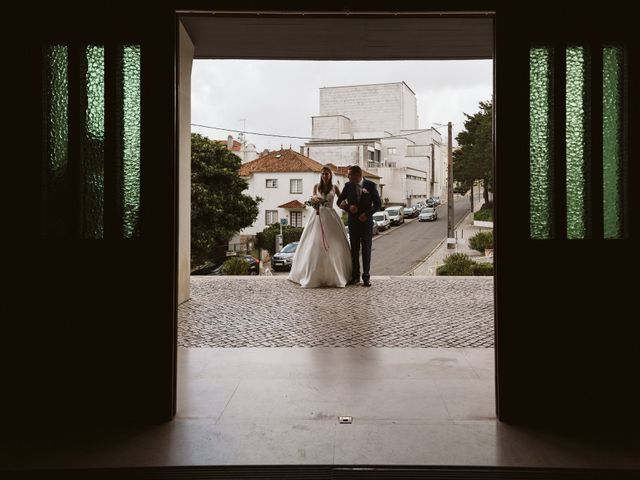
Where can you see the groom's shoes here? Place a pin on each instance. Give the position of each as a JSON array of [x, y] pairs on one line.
[[366, 283], [353, 281]]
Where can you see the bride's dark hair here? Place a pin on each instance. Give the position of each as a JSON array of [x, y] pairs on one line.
[[328, 186]]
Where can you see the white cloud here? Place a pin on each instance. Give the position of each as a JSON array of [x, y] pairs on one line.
[[280, 97]]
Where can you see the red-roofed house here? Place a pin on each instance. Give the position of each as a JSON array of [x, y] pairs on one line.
[[284, 179]]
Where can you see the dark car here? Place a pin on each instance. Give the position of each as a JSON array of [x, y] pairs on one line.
[[253, 267]]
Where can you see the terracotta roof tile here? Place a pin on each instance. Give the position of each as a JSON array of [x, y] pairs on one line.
[[237, 146], [343, 171], [285, 160], [292, 204]]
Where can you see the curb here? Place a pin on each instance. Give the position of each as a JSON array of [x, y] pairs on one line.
[[410, 272]]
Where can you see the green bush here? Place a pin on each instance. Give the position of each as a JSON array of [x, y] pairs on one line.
[[458, 264], [235, 266], [442, 271], [267, 237], [482, 240], [482, 269], [484, 215]]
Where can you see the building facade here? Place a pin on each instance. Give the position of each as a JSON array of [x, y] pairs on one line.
[[376, 126]]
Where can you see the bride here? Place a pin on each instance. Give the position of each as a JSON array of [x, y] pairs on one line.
[[323, 256]]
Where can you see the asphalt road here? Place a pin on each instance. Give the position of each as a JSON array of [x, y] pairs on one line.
[[401, 248]]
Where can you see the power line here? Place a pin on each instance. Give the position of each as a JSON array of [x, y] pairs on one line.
[[294, 136]]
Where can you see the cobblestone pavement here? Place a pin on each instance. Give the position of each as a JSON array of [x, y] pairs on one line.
[[399, 311]]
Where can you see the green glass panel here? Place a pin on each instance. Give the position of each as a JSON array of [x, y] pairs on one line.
[[613, 140], [57, 137], [576, 141], [92, 161], [540, 141], [129, 119]]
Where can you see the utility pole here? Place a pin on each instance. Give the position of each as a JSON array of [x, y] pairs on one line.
[[242, 139], [449, 187]]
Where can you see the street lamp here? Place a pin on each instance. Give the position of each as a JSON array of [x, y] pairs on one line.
[[449, 185]]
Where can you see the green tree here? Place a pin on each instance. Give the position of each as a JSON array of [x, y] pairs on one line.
[[219, 209], [473, 161]]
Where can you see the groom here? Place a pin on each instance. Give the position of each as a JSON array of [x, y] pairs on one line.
[[361, 200]]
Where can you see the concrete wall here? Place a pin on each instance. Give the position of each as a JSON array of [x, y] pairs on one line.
[[370, 107], [339, 155], [333, 126], [409, 108], [184, 165]]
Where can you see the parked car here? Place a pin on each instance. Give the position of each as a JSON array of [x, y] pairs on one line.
[[436, 201], [253, 267], [381, 219], [284, 258], [396, 217], [428, 214], [410, 212]]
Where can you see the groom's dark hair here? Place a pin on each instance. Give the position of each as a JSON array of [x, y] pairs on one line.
[[355, 169]]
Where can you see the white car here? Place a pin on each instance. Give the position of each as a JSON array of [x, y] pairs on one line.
[[396, 215], [382, 220]]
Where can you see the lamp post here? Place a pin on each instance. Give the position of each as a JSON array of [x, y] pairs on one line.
[[450, 212]]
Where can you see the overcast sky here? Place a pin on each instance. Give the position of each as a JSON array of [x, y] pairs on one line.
[[281, 96]]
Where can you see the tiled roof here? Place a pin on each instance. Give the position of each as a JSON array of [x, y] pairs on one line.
[[285, 160], [343, 171], [292, 204]]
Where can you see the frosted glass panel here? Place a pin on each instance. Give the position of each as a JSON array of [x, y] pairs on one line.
[[92, 164], [576, 141], [129, 119], [613, 140], [57, 135], [540, 141]]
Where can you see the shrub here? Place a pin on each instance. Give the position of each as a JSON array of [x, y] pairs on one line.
[[484, 215], [482, 269], [267, 237], [235, 266], [458, 264], [481, 240]]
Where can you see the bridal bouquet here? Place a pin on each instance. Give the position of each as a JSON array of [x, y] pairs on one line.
[[316, 202]]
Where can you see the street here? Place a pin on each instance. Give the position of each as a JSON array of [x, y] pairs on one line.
[[399, 249]]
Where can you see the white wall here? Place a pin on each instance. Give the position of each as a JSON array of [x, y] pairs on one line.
[[370, 108], [272, 197], [184, 165], [333, 126], [337, 154]]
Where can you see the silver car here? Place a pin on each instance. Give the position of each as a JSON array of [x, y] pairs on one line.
[[428, 214]]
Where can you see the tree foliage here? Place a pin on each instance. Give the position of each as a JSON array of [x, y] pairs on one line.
[[473, 161], [219, 209], [267, 237]]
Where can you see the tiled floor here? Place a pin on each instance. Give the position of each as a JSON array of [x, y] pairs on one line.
[[271, 406]]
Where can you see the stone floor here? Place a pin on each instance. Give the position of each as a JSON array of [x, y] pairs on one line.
[[402, 311]]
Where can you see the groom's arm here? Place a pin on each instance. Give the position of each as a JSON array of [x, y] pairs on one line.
[[375, 198], [342, 197]]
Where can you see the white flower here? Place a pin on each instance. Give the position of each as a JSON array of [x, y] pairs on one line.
[[364, 190]]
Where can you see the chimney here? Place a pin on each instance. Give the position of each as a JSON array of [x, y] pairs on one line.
[[229, 142], [302, 150]]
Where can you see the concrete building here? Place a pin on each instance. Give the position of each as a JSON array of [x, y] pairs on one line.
[[376, 126], [245, 151]]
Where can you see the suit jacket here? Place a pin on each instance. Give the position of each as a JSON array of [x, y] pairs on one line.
[[369, 202]]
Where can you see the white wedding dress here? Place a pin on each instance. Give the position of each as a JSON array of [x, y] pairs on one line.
[[323, 256]]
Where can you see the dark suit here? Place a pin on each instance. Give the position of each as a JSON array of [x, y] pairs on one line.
[[360, 233]]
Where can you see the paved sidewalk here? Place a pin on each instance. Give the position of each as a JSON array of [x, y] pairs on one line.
[[403, 311], [464, 230]]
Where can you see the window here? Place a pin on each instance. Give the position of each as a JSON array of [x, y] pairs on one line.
[[272, 217], [391, 150], [296, 219], [272, 183], [296, 185]]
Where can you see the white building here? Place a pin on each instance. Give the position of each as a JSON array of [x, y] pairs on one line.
[[376, 126], [284, 179]]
